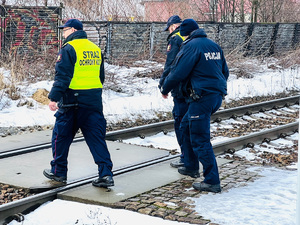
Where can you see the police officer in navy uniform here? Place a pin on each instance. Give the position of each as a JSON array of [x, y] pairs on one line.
[[77, 96], [180, 106], [201, 66]]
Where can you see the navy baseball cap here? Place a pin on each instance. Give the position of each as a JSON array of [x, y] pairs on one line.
[[172, 20], [72, 23]]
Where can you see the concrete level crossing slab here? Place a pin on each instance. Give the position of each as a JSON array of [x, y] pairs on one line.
[[127, 185], [25, 140], [27, 170]]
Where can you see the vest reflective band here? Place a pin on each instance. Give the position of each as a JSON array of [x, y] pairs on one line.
[[87, 67], [178, 33]]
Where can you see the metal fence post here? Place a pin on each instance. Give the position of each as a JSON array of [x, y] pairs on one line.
[[2, 28], [298, 180], [108, 42], [152, 34]]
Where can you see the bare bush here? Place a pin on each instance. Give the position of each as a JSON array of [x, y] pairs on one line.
[[2, 84], [238, 65], [24, 69], [33, 67], [290, 58], [9, 86]]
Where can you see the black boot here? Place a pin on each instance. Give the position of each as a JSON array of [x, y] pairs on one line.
[[216, 188], [191, 173], [47, 173], [177, 163], [105, 182]]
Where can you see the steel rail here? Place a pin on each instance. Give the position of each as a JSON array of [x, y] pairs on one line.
[[12, 210], [250, 140], [166, 126], [255, 108]]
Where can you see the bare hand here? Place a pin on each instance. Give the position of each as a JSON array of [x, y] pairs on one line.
[[53, 106], [165, 96]]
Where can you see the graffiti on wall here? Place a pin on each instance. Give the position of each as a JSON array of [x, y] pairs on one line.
[[28, 30]]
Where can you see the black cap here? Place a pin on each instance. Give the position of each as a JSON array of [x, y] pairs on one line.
[[72, 23], [188, 26], [172, 20]]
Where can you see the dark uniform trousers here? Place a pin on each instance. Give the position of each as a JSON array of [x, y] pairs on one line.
[[93, 126], [179, 110], [196, 144]]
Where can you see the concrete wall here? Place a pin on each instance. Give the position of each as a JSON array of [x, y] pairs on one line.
[[120, 41], [32, 29]]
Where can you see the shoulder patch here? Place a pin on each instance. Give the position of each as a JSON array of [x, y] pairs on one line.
[[169, 48], [58, 58]]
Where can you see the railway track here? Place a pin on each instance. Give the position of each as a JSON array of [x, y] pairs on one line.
[[16, 210], [166, 126]]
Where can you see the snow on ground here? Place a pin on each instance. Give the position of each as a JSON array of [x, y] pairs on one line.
[[139, 98], [268, 200], [60, 212]]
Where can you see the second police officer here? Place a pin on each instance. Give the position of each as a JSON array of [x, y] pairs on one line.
[[180, 106], [201, 66]]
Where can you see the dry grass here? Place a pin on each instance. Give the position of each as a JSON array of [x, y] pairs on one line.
[[290, 59], [2, 84], [237, 63], [28, 67], [23, 70]]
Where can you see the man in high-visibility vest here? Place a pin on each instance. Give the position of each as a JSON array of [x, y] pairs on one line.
[[180, 106], [77, 96]]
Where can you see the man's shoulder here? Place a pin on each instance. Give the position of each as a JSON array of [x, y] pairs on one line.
[[176, 39], [66, 47], [194, 41]]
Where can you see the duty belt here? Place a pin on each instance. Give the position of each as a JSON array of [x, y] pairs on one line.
[[72, 104]]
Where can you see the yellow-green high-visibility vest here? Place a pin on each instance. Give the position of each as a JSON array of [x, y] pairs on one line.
[[178, 33], [87, 67]]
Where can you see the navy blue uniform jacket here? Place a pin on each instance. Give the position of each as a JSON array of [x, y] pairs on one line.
[[200, 65], [64, 70], [173, 47]]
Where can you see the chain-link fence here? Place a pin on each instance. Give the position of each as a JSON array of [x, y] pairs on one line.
[[134, 28], [33, 31]]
